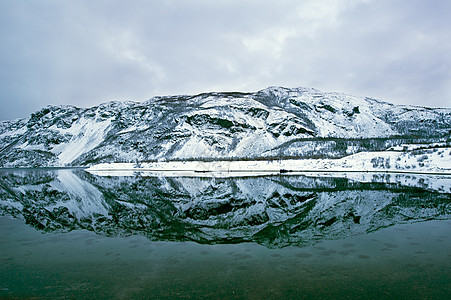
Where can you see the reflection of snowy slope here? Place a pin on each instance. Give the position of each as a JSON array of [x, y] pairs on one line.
[[438, 183], [274, 211], [85, 199], [55, 200]]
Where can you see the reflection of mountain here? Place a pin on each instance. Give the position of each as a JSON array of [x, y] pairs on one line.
[[274, 211]]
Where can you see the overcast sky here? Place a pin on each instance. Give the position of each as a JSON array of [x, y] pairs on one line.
[[87, 52]]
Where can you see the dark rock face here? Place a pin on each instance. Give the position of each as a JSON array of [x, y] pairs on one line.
[[275, 122], [275, 211]]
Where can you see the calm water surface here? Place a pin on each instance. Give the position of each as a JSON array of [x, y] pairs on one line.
[[68, 234]]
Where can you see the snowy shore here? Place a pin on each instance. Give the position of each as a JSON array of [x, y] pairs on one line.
[[436, 161]]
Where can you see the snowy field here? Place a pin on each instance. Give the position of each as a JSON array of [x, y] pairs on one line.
[[428, 161]]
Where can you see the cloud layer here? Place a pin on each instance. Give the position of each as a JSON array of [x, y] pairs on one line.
[[85, 52]]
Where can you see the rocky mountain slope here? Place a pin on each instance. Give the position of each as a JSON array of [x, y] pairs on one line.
[[275, 122]]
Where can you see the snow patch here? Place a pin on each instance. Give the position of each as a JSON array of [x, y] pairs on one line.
[[86, 135]]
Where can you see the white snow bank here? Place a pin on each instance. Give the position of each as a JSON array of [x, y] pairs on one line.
[[386, 161]]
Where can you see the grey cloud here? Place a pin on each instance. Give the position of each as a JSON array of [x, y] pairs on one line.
[[87, 52], [380, 49]]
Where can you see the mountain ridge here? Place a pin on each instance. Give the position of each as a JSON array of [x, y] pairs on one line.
[[273, 122]]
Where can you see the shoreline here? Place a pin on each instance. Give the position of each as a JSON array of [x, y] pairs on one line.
[[432, 162], [254, 168], [390, 162], [283, 172]]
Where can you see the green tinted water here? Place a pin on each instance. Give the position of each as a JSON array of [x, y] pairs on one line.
[[404, 261]]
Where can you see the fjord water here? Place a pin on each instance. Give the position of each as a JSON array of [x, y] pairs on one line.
[[69, 234]]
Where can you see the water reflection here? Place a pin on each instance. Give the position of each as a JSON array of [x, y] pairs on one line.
[[274, 211]]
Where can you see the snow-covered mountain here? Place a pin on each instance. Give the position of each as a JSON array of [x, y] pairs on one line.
[[274, 122]]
